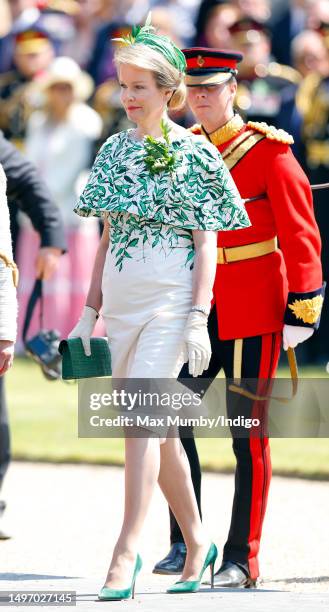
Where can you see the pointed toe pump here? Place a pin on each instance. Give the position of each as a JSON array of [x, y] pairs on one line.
[[108, 594], [192, 586]]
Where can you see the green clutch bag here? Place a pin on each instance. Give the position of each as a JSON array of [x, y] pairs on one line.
[[76, 364]]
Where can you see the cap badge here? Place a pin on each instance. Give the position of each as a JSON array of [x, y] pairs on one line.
[[200, 61]]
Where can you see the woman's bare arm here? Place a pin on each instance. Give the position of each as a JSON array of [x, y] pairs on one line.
[[204, 270], [94, 297]]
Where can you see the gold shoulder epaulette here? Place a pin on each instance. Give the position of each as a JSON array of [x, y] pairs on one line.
[[271, 132], [195, 129]]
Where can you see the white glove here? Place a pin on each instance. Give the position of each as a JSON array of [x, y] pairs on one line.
[[294, 334], [85, 327], [197, 349]]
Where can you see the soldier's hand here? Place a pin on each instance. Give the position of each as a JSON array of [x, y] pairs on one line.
[[47, 262], [295, 334], [6, 355]]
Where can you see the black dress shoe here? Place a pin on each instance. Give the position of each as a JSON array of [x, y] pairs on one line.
[[174, 562], [3, 534], [232, 575]]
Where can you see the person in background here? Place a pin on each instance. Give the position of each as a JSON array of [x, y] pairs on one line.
[[182, 14], [312, 104], [8, 309], [79, 46], [215, 17], [25, 188], [206, 6], [297, 16], [262, 83], [71, 25], [33, 53], [23, 14], [101, 66], [8, 282], [289, 23], [216, 32], [60, 142], [310, 57], [310, 53]]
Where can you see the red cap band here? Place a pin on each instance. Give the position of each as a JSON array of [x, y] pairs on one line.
[[201, 61]]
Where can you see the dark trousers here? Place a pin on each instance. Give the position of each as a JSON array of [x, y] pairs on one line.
[[260, 357], [316, 349], [4, 433]]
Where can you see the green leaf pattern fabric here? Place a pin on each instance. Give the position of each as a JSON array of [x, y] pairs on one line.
[[163, 208]]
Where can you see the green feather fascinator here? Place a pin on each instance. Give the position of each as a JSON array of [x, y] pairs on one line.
[[146, 35]]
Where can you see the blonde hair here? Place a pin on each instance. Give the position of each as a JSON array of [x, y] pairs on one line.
[[165, 74]]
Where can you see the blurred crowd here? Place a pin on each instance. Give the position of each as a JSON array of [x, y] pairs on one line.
[[59, 100]]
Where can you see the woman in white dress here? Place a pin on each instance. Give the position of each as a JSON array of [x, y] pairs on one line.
[[164, 194]]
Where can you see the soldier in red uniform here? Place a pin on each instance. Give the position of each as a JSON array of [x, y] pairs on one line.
[[263, 293]]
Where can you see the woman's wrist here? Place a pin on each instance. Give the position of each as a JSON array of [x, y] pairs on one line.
[[93, 308], [201, 308]]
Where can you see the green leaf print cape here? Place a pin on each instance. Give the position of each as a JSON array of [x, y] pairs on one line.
[[199, 193]]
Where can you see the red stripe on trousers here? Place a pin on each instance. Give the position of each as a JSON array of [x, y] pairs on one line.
[[260, 455]]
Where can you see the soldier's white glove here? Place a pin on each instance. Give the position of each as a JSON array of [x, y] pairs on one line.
[[197, 344], [85, 327], [294, 334]]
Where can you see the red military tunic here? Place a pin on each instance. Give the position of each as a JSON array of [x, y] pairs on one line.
[[253, 296]]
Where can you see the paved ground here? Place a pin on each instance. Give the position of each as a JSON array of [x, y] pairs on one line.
[[65, 520]]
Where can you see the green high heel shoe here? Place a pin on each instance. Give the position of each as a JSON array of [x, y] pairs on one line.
[[107, 594], [192, 586]]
